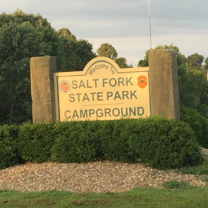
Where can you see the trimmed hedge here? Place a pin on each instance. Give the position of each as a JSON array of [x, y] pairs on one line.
[[165, 144], [114, 140], [159, 142], [8, 146], [77, 142], [36, 141], [198, 123]]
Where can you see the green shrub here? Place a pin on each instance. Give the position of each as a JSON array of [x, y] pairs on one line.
[[114, 136], [8, 146], [77, 142], [159, 142], [164, 143], [198, 123], [36, 141]]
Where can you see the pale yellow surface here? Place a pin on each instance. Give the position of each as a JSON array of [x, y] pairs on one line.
[[102, 91]]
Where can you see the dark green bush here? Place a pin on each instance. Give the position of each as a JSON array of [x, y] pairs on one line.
[[77, 142], [198, 123], [159, 142], [36, 141], [114, 136], [8, 146], [164, 144]]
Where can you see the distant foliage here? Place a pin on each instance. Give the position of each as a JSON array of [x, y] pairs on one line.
[[107, 50], [65, 33], [195, 61], [122, 63], [180, 57]]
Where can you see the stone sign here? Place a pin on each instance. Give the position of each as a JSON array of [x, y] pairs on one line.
[[103, 91]]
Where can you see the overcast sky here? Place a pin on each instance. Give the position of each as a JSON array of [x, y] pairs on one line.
[[125, 23]]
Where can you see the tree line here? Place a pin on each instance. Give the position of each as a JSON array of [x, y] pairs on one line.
[[23, 36]]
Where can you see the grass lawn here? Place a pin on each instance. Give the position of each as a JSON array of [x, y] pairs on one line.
[[184, 196]]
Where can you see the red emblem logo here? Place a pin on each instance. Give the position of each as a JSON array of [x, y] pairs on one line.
[[64, 86], [142, 81]]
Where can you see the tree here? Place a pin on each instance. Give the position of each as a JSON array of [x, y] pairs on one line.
[[24, 36], [83, 51], [122, 62], [180, 57], [143, 63], [64, 32], [20, 17], [195, 61], [19, 42], [107, 50]]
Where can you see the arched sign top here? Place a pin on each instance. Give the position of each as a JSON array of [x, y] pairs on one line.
[[102, 91], [99, 63]]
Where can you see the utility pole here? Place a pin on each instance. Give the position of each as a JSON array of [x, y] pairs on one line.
[[150, 25]]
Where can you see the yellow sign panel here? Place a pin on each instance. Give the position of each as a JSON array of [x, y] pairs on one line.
[[102, 91]]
